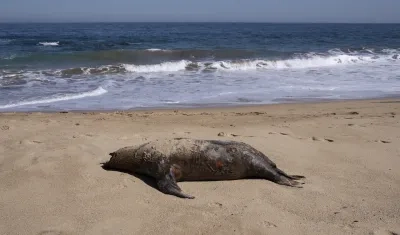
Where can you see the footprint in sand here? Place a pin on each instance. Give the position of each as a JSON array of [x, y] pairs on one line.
[[5, 128], [353, 113], [30, 142], [47, 121], [134, 136], [226, 134], [123, 138], [35, 160], [83, 135], [52, 232], [182, 133], [274, 133], [223, 134], [319, 139], [128, 180], [301, 138], [383, 232], [268, 224], [284, 134], [113, 225], [29, 160], [215, 204]]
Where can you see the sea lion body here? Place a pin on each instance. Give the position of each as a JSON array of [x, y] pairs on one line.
[[180, 159]]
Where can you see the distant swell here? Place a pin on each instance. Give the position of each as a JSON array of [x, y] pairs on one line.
[[99, 91], [146, 56]]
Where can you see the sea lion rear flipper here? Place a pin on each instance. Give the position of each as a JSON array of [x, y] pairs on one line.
[[292, 177], [290, 180], [168, 185], [285, 181]]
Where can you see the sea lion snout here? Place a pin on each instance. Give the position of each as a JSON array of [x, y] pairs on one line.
[[106, 165]]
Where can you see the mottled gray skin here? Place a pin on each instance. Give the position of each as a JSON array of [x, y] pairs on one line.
[[183, 159]]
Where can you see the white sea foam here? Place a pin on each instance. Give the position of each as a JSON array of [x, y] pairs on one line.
[[163, 67], [153, 49], [308, 61], [49, 43], [172, 102], [156, 49], [99, 91], [319, 61], [391, 51]]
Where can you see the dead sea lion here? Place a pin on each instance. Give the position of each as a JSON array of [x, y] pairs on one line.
[[169, 161]]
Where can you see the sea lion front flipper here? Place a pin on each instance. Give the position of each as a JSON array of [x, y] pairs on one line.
[[168, 185]]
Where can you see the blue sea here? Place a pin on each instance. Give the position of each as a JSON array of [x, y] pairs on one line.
[[109, 66]]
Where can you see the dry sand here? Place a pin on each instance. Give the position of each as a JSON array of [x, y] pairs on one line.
[[52, 183]]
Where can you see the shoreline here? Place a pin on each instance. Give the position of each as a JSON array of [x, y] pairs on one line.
[[393, 98]]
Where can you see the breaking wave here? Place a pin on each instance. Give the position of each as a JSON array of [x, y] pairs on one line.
[[162, 67], [310, 60], [299, 61], [99, 91], [155, 56]]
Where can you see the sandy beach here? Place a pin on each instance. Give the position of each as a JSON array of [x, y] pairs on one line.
[[52, 182]]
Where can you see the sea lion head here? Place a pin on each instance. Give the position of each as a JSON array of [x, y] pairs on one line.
[[122, 159]]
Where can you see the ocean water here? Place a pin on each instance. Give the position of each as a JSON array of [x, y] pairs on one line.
[[48, 67]]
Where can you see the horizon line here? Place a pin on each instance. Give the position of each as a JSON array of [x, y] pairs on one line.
[[187, 22]]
